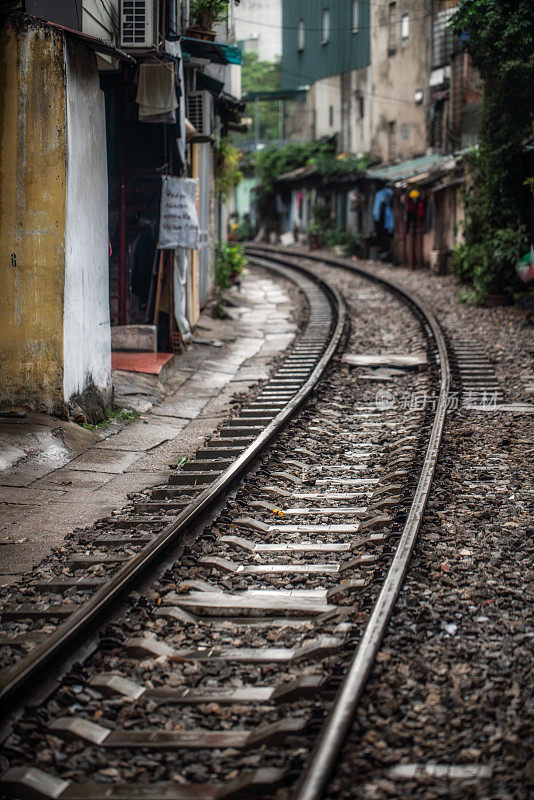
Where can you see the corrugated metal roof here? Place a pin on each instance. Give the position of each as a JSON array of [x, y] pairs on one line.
[[299, 172], [408, 169]]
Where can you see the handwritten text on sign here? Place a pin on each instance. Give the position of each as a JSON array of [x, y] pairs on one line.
[[178, 220]]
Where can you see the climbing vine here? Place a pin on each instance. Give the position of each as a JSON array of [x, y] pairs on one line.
[[227, 172], [499, 37]]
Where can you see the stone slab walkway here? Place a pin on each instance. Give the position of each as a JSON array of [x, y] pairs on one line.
[[56, 475]]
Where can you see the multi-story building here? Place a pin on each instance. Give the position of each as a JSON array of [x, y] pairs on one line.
[[388, 79], [327, 47]]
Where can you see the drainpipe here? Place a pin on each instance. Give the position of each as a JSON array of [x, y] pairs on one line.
[[123, 246]]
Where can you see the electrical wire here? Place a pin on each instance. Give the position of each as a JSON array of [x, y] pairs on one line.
[[345, 29], [110, 10], [333, 82]]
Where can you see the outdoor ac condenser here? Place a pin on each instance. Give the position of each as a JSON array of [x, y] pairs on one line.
[[199, 112], [139, 24]]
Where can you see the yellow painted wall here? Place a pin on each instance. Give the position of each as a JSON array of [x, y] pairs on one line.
[[32, 214]]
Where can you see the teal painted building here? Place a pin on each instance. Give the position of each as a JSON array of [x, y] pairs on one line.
[[323, 38]]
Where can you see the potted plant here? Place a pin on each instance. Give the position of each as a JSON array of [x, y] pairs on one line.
[[314, 236], [204, 15]]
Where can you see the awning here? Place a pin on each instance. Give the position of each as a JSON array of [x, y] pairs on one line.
[[96, 44], [409, 169], [211, 84], [216, 52]]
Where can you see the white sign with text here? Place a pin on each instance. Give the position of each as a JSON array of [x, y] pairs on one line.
[[178, 220]]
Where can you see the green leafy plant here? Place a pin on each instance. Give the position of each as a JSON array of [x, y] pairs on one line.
[[465, 260], [321, 215], [330, 165], [207, 13], [266, 77], [227, 172], [335, 237], [111, 414], [490, 265], [495, 272], [230, 262], [499, 37], [273, 162], [245, 231]]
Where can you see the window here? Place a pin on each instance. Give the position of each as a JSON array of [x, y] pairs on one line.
[[405, 27], [326, 25], [331, 116], [355, 15], [300, 35], [392, 36]]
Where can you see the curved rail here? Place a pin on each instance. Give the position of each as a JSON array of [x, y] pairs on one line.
[[313, 780], [91, 614]]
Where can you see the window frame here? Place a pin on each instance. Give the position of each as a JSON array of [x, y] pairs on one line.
[[392, 27], [326, 26], [301, 36], [405, 19], [355, 16]]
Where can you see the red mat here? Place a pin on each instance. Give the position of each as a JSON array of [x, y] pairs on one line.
[[151, 363]]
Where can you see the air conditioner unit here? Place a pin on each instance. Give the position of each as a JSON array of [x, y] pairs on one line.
[[199, 112], [139, 24]]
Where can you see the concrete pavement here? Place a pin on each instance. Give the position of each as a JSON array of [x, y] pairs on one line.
[[56, 475]]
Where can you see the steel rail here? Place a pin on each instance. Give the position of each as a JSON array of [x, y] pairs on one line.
[[70, 633], [314, 779]]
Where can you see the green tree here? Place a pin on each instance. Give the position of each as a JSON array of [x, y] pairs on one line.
[[259, 75], [499, 37], [273, 162]]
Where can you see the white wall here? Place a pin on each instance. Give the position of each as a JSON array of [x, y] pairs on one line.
[[86, 322], [397, 73], [354, 130], [326, 93], [100, 19], [360, 126], [261, 19]]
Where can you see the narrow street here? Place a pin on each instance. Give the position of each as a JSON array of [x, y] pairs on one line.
[[63, 476]]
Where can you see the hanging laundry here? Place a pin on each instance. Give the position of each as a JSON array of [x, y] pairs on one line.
[[383, 209], [156, 93]]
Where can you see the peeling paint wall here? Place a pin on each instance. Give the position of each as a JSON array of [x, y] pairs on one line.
[[400, 67], [32, 214], [86, 323], [54, 305]]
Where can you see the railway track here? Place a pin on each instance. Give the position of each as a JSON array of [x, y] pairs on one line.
[[223, 636]]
